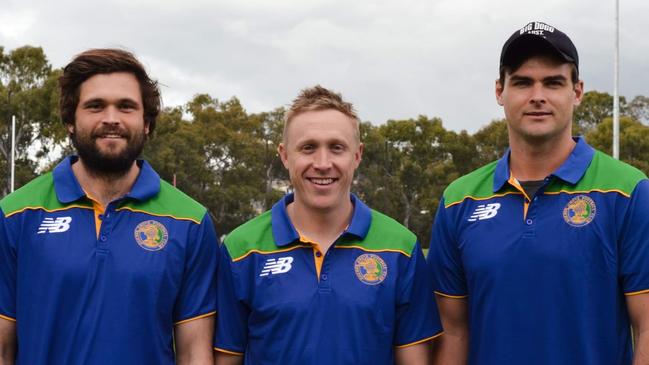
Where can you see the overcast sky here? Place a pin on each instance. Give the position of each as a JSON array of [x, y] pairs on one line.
[[392, 59]]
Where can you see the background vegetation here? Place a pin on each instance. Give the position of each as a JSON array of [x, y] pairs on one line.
[[226, 158]]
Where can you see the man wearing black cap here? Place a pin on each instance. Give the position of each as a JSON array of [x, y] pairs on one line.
[[542, 257]]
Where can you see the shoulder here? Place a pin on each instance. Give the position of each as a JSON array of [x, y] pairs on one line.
[[37, 194], [385, 233], [171, 202], [477, 184], [608, 174], [255, 235]]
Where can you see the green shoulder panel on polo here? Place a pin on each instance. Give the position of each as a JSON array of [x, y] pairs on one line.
[[604, 174], [169, 202], [477, 184], [385, 234], [254, 235], [37, 194]]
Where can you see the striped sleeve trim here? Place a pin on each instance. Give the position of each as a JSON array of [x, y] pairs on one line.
[[636, 292], [228, 351], [8, 318], [195, 318], [420, 341], [450, 296]]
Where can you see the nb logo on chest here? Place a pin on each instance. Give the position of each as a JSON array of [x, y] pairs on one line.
[[51, 225], [484, 211], [279, 266]]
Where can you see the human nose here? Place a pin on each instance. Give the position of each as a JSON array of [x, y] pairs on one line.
[[111, 115], [322, 159], [538, 94]]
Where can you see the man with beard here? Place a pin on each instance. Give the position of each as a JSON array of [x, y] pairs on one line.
[[102, 262]]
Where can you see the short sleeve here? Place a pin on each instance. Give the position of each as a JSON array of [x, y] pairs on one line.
[[444, 260], [634, 242], [417, 315], [231, 335], [197, 296], [8, 259]]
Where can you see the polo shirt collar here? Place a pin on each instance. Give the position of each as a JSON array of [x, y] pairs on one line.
[[571, 171], [285, 233], [68, 189]]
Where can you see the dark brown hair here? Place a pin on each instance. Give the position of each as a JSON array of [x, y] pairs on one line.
[[105, 61]]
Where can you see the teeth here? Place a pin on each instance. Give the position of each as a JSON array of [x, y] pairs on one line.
[[322, 181]]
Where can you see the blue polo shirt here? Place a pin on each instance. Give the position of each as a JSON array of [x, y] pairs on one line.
[[87, 284], [546, 276], [280, 301]]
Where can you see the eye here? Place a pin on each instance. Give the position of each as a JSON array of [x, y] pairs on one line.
[[555, 83], [338, 148], [94, 106], [307, 148], [127, 106]]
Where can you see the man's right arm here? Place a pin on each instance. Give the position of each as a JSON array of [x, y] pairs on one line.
[[454, 344], [7, 342]]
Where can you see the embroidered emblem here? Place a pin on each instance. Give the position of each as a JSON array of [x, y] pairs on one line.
[[279, 266], [579, 211], [484, 211], [151, 235], [51, 225], [370, 269]]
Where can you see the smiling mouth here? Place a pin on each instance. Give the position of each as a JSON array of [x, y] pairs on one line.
[[322, 181], [538, 114]]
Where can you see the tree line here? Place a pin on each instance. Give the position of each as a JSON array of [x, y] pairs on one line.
[[225, 158]]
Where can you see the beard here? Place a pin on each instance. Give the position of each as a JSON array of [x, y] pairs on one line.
[[109, 164]]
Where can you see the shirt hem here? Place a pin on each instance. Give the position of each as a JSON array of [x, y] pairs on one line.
[[637, 292], [10, 319], [420, 341], [195, 318], [450, 296], [228, 351]]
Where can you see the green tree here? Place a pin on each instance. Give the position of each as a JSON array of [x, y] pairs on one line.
[[28, 91], [634, 141]]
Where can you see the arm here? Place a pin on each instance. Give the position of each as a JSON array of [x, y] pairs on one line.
[[221, 358], [638, 307], [418, 354], [194, 341], [7, 342], [454, 344]]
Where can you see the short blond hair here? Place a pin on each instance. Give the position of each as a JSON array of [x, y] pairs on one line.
[[320, 98]]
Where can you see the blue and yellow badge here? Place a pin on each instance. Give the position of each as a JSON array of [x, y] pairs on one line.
[[151, 235], [579, 211], [370, 269]]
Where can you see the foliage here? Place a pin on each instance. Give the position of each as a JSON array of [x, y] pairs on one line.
[[226, 158]]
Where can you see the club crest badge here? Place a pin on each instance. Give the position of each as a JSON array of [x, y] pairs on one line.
[[579, 211], [151, 235], [370, 269]]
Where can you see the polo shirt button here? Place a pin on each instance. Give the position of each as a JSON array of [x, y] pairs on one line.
[[323, 276], [318, 254], [101, 216], [103, 238], [529, 222]]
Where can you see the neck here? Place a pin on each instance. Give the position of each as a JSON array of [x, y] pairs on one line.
[[535, 161], [105, 187], [322, 226]]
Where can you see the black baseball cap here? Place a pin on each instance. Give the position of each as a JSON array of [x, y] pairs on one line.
[[535, 36]]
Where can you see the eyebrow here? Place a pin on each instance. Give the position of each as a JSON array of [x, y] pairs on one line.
[[545, 79], [103, 101]]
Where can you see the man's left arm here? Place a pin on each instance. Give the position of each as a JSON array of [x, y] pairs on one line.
[[417, 317], [194, 341], [634, 270], [196, 303], [638, 307]]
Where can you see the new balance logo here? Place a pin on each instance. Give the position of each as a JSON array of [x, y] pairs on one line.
[[279, 266], [58, 225], [484, 211]]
